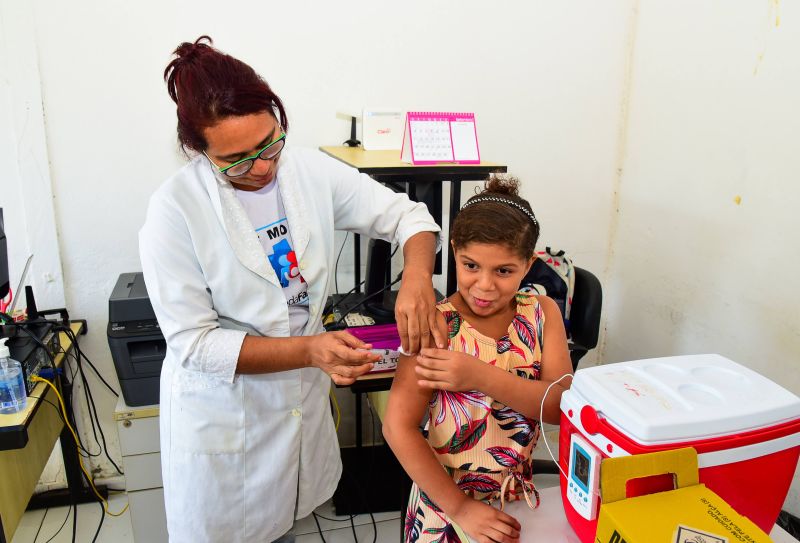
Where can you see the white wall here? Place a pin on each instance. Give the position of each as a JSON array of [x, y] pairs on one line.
[[544, 80], [705, 254], [633, 132]]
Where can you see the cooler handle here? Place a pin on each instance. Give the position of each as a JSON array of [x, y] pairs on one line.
[[616, 472]]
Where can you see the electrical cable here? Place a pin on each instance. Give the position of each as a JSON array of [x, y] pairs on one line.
[[90, 404], [23, 326], [73, 372], [69, 510], [73, 338], [75, 435], [336, 266], [61, 418], [338, 411], [83, 450], [353, 290], [319, 528], [353, 528], [93, 409], [100, 525], [330, 311], [74, 522], [333, 519], [541, 413], [35, 537], [370, 297], [67, 417]]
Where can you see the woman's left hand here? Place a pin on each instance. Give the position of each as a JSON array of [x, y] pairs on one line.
[[442, 369], [419, 324]]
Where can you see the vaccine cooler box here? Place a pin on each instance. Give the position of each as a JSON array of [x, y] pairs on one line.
[[744, 427]]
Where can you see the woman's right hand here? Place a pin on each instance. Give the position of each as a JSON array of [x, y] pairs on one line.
[[485, 524], [341, 355]]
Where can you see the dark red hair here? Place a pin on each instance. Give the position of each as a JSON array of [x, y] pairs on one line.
[[208, 85]]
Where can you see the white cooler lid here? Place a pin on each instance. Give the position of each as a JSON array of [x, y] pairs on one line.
[[683, 398]]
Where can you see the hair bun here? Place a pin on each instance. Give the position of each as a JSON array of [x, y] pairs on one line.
[[502, 184], [188, 50]]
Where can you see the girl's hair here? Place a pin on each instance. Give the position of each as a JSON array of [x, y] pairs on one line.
[[209, 85], [497, 215]]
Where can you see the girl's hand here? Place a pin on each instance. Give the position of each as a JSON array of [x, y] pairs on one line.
[[341, 355], [485, 524], [441, 369]]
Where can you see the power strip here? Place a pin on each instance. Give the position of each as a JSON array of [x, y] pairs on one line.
[[357, 319]]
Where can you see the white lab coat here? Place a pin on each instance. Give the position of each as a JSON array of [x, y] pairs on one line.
[[243, 455]]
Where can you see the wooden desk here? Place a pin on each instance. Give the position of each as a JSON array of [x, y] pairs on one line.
[[26, 441], [424, 185]]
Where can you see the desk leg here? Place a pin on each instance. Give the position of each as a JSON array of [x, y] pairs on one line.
[[359, 438], [357, 261], [75, 492], [455, 205]]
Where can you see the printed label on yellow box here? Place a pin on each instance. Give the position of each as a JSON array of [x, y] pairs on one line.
[[692, 535]]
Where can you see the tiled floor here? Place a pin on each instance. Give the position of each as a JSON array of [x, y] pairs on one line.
[[40, 526]]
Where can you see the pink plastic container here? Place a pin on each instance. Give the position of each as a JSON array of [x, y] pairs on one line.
[[385, 341]]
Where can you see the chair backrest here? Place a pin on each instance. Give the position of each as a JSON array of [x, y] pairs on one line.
[[587, 302]]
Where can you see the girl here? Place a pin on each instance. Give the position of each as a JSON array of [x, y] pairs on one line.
[[484, 392]]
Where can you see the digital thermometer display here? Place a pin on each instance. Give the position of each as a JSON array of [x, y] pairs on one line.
[[584, 477], [581, 464]]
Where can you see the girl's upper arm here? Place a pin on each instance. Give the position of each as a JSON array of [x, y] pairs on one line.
[[555, 353], [407, 400]]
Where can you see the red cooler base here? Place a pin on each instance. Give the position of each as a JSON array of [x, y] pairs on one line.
[[756, 488]]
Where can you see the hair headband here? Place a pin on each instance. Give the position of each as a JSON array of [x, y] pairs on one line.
[[528, 213]]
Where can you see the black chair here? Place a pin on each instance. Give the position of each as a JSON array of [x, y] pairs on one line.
[[584, 326], [584, 329]]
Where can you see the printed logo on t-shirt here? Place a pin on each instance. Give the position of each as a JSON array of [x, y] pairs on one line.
[[276, 241], [264, 208], [284, 262]]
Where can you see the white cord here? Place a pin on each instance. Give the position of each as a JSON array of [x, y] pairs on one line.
[[541, 413]]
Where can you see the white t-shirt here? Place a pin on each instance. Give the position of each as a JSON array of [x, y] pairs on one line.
[[265, 209]]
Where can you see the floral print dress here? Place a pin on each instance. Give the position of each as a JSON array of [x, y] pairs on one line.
[[483, 444]]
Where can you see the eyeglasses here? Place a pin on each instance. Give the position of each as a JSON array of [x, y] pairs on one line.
[[241, 167]]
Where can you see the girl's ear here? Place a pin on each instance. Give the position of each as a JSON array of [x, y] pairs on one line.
[[530, 263]]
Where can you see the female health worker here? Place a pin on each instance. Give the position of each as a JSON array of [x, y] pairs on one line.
[[237, 251]]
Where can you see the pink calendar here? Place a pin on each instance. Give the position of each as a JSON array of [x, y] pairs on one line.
[[433, 137]]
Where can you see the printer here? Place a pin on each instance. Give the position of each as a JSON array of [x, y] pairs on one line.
[[135, 339]]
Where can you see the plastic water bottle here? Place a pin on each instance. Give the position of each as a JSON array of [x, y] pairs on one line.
[[13, 395]]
